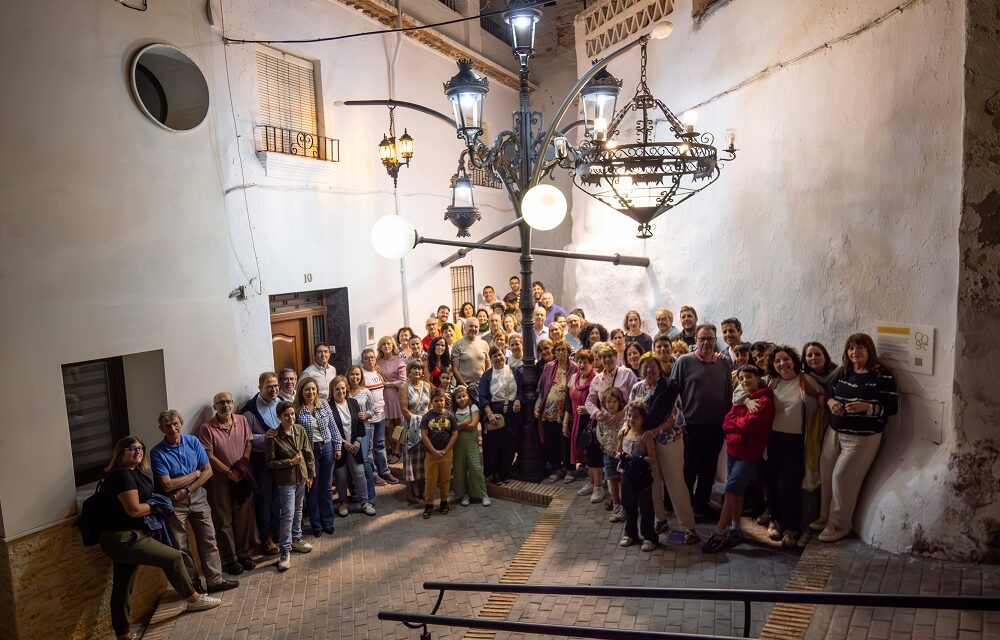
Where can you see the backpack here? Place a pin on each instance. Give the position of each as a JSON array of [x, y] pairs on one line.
[[89, 521]]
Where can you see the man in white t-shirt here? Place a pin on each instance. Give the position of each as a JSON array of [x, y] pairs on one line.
[[321, 370]]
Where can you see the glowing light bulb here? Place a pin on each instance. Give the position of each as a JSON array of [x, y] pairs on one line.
[[600, 126], [690, 119]]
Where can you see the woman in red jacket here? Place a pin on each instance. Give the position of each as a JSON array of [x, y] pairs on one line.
[[747, 431]]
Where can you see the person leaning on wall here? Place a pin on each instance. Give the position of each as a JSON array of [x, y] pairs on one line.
[[127, 510]]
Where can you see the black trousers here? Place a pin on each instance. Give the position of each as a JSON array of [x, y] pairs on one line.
[[552, 448], [500, 445], [702, 444], [638, 503], [783, 473]]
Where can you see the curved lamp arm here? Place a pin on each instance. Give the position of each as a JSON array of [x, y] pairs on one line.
[[572, 95]]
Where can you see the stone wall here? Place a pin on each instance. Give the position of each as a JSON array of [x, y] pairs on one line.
[[51, 586]]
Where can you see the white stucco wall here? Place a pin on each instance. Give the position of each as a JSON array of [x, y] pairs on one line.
[[118, 238], [842, 208]]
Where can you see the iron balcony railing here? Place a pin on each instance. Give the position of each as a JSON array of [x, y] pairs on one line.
[[451, 4], [298, 143], [747, 596]]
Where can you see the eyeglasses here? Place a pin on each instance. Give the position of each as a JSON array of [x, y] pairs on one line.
[[136, 448], [271, 387], [706, 339]]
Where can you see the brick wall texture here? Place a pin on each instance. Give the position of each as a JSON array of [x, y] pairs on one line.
[[57, 588]]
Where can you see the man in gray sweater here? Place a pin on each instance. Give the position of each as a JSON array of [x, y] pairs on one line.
[[706, 395]]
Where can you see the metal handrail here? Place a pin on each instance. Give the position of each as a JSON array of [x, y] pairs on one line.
[[746, 596]]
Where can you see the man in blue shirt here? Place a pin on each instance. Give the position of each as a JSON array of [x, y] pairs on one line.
[[180, 469]]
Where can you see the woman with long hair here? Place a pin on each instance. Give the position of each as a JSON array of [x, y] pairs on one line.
[[793, 448], [817, 363], [125, 538], [438, 359], [616, 339], [633, 331], [631, 357], [357, 389], [467, 310], [348, 420], [611, 375], [392, 366], [315, 415], [863, 397], [375, 383]]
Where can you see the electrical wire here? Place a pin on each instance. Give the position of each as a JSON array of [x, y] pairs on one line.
[[228, 40], [258, 288], [829, 44]]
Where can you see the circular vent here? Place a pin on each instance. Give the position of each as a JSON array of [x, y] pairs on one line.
[[169, 87]]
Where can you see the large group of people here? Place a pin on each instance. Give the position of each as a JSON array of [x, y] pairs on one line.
[[639, 419]]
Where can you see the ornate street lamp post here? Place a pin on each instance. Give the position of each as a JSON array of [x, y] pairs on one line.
[[521, 156]]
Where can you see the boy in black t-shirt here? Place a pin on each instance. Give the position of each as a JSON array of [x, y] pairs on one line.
[[438, 431]]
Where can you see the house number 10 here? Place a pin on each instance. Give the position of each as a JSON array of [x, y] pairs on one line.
[[307, 278]]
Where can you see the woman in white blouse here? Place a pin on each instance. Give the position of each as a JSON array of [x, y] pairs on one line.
[[500, 397]]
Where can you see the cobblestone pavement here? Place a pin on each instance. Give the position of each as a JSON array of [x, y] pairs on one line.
[[861, 569], [367, 565]]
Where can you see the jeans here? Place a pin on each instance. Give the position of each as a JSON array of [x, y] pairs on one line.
[[366, 444], [265, 498], [290, 514], [638, 503], [378, 448], [349, 463], [320, 497]]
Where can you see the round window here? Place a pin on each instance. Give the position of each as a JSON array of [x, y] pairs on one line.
[[169, 87]]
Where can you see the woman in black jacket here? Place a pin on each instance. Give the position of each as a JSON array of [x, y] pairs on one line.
[[349, 454], [501, 395], [863, 398]]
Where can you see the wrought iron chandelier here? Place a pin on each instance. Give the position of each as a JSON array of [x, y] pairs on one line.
[[650, 176]]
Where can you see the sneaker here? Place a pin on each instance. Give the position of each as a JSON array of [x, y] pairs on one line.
[[832, 534], [569, 477], [464, 501], [597, 495], [342, 510], [284, 561], [790, 539], [818, 524], [661, 526], [804, 539], [368, 508], [764, 519], [247, 563], [647, 545], [733, 538], [444, 508], [271, 548], [715, 543], [585, 489], [233, 569], [691, 537], [486, 501], [626, 541], [774, 532], [203, 603], [428, 510], [299, 546], [617, 514], [388, 477], [223, 585], [379, 482]]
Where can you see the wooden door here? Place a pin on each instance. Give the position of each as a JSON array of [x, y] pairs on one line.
[[290, 343]]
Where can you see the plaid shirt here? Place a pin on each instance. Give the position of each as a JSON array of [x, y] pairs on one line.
[[317, 424]]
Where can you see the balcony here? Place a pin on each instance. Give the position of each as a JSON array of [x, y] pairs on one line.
[[297, 143], [499, 31]]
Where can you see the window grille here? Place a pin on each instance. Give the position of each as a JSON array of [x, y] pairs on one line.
[[463, 288], [287, 91], [484, 178], [286, 302], [98, 418]]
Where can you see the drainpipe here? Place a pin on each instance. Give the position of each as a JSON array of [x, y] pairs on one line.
[[404, 290]]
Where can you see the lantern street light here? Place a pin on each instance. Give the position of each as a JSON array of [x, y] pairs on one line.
[[521, 156]]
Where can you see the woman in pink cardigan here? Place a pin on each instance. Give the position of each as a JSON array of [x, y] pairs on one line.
[[549, 409]]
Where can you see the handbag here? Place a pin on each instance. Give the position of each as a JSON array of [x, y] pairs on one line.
[[397, 433], [413, 432], [499, 424], [584, 436], [89, 521]]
